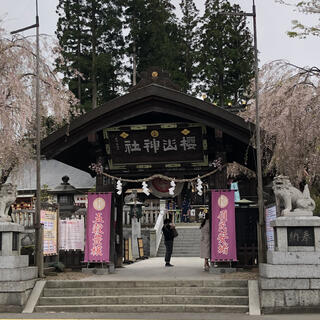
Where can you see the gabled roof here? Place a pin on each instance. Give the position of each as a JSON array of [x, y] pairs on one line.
[[152, 98], [51, 172]]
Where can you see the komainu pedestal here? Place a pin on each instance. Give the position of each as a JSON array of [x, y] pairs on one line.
[[290, 280], [16, 277]]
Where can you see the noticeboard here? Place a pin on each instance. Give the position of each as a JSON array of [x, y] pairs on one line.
[[49, 219], [154, 145]]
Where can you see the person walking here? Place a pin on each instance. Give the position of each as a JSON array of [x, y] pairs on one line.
[[205, 242], [168, 231]]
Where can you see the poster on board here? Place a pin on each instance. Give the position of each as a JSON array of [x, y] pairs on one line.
[[271, 214], [71, 234], [49, 219]]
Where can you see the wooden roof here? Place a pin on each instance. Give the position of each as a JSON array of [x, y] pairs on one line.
[[71, 144]]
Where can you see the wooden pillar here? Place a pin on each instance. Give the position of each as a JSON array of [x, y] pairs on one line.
[[219, 180], [119, 232]]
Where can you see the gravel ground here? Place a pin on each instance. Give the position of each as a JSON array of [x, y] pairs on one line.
[[71, 275]]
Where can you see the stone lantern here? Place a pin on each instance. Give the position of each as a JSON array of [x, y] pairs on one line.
[[65, 193], [135, 214]]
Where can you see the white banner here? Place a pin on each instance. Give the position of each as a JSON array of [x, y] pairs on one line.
[[271, 214], [71, 234]]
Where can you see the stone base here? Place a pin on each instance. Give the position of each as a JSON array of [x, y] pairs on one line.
[[289, 288], [302, 258], [274, 301], [14, 294], [10, 309], [285, 271], [18, 274], [298, 213], [14, 261], [14, 298]]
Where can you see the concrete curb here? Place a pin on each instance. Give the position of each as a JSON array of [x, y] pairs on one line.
[[254, 298], [34, 296]]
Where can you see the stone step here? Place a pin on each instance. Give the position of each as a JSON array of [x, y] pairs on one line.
[[194, 291], [166, 308], [147, 283], [143, 299]]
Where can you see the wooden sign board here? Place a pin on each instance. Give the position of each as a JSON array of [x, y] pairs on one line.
[[156, 145]]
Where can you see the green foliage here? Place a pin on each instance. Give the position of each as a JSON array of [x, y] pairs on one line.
[[299, 29], [59, 266], [44, 194], [189, 33], [154, 36], [226, 61], [90, 34], [27, 250]]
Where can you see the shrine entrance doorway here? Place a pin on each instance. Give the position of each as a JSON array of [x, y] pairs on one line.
[[151, 133]]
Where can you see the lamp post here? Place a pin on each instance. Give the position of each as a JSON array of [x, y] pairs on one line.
[[258, 144], [38, 247]]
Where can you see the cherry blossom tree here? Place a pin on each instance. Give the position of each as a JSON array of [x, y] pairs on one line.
[[309, 7], [290, 118], [17, 100]]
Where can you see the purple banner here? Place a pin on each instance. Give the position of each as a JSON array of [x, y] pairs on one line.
[[223, 235], [97, 247]]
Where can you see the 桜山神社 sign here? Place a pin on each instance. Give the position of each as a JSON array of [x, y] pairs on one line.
[[49, 219], [156, 145], [223, 231], [97, 246]]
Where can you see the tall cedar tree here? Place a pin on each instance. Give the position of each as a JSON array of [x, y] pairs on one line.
[[90, 34], [154, 33], [226, 64], [72, 40], [189, 31]]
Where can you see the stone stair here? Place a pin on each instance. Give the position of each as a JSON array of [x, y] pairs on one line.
[[192, 296], [187, 244]]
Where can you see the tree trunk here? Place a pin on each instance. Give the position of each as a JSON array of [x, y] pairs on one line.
[[94, 60], [78, 56]]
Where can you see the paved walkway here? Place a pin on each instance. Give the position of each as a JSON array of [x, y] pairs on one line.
[[154, 269]]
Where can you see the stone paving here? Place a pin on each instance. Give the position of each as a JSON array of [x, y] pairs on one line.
[[190, 268]]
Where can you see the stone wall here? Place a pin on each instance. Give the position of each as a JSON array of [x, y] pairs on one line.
[[290, 295]]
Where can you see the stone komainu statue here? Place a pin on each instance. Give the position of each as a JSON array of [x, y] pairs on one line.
[[291, 200], [8, 195]]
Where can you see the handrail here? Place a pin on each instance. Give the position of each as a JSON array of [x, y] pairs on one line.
[[158, 227]]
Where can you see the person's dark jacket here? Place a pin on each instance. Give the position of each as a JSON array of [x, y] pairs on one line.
[[167, 232]]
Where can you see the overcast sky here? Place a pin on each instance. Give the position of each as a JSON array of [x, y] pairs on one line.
[[273, 20]]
